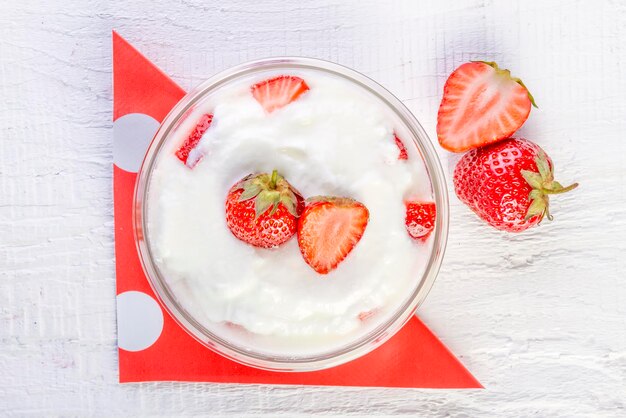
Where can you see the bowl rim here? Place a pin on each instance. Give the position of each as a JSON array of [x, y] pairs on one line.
[[365, 343]]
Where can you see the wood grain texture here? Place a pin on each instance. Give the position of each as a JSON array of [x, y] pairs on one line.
[[539, 318]]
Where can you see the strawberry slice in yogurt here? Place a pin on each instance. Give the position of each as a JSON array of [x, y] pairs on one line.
[[186, 152]]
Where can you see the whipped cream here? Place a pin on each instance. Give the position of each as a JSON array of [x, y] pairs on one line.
[[336, 139]]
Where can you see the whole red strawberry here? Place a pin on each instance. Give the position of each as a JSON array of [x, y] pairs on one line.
[[508, 184], [262, 210]]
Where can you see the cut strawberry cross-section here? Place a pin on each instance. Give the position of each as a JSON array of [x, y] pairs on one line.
[[329, 229], [278, 92], [403, 153], [481, 104], [192, 141]]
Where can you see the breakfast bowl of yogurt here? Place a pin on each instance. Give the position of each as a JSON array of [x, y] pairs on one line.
[[291, 214]]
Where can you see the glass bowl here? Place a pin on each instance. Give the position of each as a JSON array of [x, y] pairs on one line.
[[248, 355]]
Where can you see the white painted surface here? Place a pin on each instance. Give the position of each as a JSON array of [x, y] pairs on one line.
[[540, 318]]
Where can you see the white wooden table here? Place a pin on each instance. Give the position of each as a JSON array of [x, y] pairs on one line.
[[539, 318]]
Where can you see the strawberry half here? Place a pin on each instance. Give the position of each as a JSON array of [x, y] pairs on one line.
[[403, 153], [279, 91], [192, 140], [481, 104], [420, 219], [329, 229]]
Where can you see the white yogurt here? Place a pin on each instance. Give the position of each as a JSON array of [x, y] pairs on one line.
[[336, 139]]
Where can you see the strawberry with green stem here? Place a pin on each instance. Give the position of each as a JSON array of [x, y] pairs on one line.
[[262, 210], [508, 184], [482, 104]]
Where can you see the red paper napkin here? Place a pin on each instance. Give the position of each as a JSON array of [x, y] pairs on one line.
[[152, 346]]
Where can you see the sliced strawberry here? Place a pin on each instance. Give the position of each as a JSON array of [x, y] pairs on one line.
[[279, 91], [481, 104], [192, 140], [420, 219], [403, 154], [364, 316], [328, 230]]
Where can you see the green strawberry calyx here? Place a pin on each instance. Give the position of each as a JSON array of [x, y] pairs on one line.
[[543, 185], [269, 191]]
